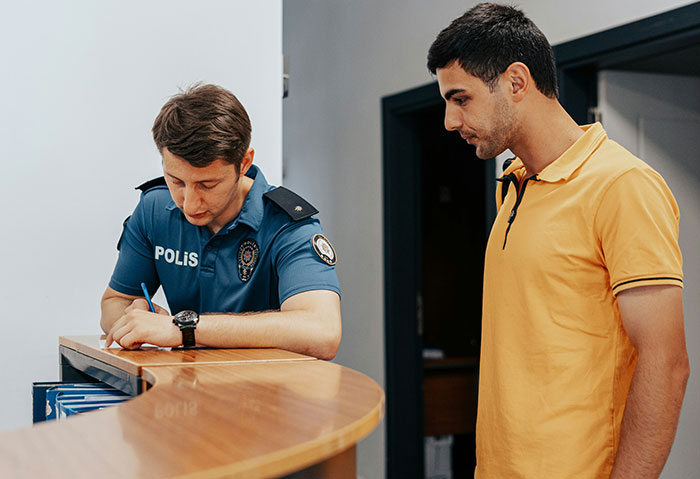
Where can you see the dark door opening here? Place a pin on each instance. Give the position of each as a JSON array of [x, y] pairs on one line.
[[453, 235], [453, 239], [438, 199]]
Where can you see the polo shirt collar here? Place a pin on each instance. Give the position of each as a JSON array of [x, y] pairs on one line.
[[253, 207], [563, 167]]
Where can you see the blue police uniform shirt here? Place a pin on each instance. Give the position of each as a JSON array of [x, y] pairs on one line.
[[252, 264]]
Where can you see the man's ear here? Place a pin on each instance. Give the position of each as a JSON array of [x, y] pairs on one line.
[[247, 161], [519, 80]]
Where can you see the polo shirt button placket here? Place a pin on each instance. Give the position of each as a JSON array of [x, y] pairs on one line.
[[208, 258], [514, 211]]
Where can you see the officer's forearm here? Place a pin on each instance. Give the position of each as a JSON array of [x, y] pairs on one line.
[[297, 331], [112, 309]]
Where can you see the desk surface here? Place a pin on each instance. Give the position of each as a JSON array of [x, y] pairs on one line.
[[132, 361], [250, 416]]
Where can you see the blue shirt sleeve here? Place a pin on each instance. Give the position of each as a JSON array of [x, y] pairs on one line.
[[135, 263], [299, 267]]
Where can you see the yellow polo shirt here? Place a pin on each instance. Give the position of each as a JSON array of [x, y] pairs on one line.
[[556, 364]]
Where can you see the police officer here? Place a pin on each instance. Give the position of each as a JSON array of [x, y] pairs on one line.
[[242, 263]]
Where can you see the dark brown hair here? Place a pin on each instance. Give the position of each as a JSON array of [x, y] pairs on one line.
[[202, 124], [488, 38]]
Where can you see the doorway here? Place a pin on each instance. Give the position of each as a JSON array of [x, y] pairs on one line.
[[438, 208]]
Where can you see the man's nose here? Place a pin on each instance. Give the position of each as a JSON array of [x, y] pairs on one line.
[[191, 200], [452, 120]]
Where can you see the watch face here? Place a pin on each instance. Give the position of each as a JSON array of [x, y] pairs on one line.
[[186, 319]]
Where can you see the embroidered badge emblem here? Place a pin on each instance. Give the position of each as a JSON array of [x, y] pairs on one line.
[[248, 254], [323, 249]]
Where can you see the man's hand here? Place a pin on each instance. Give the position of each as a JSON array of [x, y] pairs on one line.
[[138, 325]]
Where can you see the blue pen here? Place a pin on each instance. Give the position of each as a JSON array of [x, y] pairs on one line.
[[148, 298]]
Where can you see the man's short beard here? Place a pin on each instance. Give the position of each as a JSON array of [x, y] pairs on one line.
[[502, 133]]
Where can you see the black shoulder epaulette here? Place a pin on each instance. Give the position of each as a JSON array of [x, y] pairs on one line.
[[292, 204], [151, 184]]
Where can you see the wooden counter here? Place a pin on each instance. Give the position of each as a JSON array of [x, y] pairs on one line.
[[208, 413]]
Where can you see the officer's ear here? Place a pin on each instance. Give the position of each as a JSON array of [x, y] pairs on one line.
[[247, 161]]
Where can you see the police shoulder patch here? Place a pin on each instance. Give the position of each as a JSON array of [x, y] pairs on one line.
[[248, 255], [292, 204], [324, 249]]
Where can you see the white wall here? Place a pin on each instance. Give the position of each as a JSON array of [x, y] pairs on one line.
[[345, 56], [81, 83]]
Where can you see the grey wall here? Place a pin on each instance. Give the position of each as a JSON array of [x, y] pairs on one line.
[[345, 56]]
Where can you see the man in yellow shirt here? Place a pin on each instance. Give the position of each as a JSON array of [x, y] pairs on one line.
[[583, 358]]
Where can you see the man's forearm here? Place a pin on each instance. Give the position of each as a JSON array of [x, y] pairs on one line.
[[307, 323], [299, 331], [112, 309], [651, 417]]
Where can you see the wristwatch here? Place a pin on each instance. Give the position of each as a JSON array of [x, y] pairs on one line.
[[187, 322]]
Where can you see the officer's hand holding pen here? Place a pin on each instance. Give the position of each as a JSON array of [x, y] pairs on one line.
[[139, 304]]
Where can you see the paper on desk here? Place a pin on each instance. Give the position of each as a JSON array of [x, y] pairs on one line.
[[148, 346]]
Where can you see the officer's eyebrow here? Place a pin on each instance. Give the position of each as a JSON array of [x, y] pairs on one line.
[[208, 180], [453, 92], [171, 176]]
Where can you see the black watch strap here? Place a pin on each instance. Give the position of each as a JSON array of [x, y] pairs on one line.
[[187, 322], [188, 340]]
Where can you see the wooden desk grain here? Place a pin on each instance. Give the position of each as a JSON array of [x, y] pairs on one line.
[[207, 420]]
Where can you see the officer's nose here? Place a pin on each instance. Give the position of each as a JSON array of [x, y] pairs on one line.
[[191, 200], [452, 118]]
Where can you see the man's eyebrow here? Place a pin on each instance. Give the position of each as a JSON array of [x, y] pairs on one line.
[[208, 180], [453, 92], [167, 173]]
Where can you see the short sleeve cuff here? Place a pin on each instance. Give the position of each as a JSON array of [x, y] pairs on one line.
[[668, 279], [124, 289], [310, 287]]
